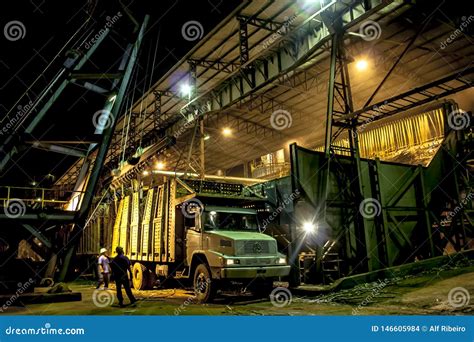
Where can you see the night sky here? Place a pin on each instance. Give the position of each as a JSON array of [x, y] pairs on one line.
[[33, 32]]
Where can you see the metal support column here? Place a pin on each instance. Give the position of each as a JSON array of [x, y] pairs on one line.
[[339, 105], [101, 154]]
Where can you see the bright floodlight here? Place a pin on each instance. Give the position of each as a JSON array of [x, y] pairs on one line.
[[207, 137], [145, 173], [226, 131], [160, 165], [309, 227], [186, 89], [362, 64]]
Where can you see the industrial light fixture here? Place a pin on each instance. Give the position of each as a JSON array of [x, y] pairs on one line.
[[207, 137], [309, 227], [186, 89], [145, 173], [160, 165], [362, 64], [226, 131]]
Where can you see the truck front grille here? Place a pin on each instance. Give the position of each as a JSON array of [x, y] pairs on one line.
[[255, 247], [257, 261]]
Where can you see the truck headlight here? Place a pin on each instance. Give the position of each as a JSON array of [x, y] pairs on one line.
[[229, 262], [281, 261]]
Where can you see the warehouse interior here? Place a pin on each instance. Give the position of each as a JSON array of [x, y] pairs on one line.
[[338, 132]]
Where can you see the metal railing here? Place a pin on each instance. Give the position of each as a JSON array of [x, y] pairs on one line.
[[36, 197], [271, 171]]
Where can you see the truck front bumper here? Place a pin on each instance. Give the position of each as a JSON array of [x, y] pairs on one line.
[[255, 271]]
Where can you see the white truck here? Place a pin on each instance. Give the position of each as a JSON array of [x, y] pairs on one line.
[[203, 231]]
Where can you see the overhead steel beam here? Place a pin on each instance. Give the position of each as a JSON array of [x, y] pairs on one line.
[[432, 91], [265, 24], [307, 38], [216, 65], [269, 65], [59, 149], [94, 76], [243, 40]]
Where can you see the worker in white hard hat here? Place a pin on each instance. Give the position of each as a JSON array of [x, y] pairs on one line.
[[104, 269]]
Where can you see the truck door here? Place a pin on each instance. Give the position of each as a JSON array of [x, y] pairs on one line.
[[193, 236]]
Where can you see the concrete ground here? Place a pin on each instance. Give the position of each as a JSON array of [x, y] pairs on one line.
[[443, 292]]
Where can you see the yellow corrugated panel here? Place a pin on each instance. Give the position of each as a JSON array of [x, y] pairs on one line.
[[158, 224], [124, 224], [134, 223], [147, 223], [116, 229]]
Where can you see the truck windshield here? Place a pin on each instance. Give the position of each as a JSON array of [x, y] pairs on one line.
[[215, 220]]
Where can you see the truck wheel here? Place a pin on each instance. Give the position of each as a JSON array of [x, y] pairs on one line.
[[204, 288], [140, 276]]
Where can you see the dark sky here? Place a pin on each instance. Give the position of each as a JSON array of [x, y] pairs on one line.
[[33, 32]]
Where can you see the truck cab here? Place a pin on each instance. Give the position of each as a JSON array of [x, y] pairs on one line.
[[225, 244]]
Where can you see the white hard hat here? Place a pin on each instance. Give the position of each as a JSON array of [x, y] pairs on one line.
[[103, 250]]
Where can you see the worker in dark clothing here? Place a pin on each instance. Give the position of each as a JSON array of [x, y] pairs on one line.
[[120, 268]]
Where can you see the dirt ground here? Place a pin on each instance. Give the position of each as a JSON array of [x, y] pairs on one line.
[[443, 292]]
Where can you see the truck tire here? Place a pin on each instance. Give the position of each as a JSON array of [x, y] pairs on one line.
[[140, 276], [205, 288]]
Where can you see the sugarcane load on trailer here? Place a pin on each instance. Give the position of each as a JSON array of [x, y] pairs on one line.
[[204, 231]]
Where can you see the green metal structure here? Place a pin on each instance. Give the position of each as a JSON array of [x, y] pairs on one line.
[[410, 212]]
